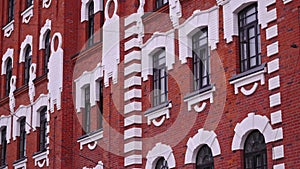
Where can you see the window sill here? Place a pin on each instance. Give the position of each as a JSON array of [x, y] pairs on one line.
[[4, 166], [90, 139], [9, 28], [27, 14], [198, 97], [158, 111], [41, 158], [251, 76], [21, 163]]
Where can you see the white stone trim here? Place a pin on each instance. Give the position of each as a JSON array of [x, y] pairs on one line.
[[46, 3], [8, 54], [98, 166], [133, 106], [160, 150], [286, 1], [41, 159], [273, 66], [276, 117], [91, 140], [200, 98], [132, 159], [203, 137], [175, 12], [88, 78], [12, 100], [27, 41], [31, 86], [20, 164], [5, 121], [132, 81], [134, 55], [8, 29], [132, 132], [271, 32], [200, 19], [275, 100], [133, 68], [274, 82], [98, 6], [158, 40], [163, 112], [27, 14], [43, 32], [133, 146], [277, 152], [39, 103], [22, 111], [279, 166], [134, 119], [272, 49], [134, 93]]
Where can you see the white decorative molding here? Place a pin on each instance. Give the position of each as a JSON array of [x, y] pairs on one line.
[[12, 100], [43, 32], [175, 12], [271, 32], [133, 68], [111, 44], [279, 166], [163, 112], [134, 93], [55, 74], [249, 79], [132, 132], [90, 140], [274, 82], [46, 3], [98, 6], [203, 137], [8, 29], [132, 159], [277, 152], [132, 81], [231, 8], [27, 41], [254, 122], [41, 159], [286, 1], [200, 19], [32, 76], [88, 78], [275, 100], [156, 42], [20, 164], [198, 98], [5, 121], [133, 146], [27, 14], [37, 106], [134, 119], [273, 66], [8, 54], [134, 55], [272, 49], [98, 166], [276, 117], [160, 150], [133, 106], [22, 111]]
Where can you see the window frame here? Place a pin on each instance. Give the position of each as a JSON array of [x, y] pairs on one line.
[[11, 10], [160, 3], [22, 139], [100, 105], [87, 109], [8, 76], [42, 129], [207, 153], [162, 163], [27, 64], [3, 146], [47, 51], [91, 24]]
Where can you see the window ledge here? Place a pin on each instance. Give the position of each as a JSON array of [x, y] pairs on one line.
[[21, 163], [199, 96], [27, 14], [41, 158], [4, 166], [90, 139], [158, 111], [251, 76], [9, 28]]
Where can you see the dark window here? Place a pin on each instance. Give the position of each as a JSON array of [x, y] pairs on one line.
[[100, 122], [47, 52], [43, 126], [201, 59], [11, 9], [255, 151], [22, 142], [91, 24], [87, 109], [160, 3], [204, 158], [160, 76], [27, 64], [249, 38], [29, 3], [3, 146], [8, 76], [162, 164]]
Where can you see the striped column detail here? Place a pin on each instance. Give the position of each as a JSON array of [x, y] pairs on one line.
[[132, 96], [273, 67]]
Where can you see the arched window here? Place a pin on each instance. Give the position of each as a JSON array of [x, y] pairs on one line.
[[8, 76], [204, 159], [28, 61], [255, 151], [162, 164], [91, 24], [47, 52]]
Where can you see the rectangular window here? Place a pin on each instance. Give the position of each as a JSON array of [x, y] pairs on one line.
[[11, 9], [87, 109], [201, 63], [160, 82], [249, 38], [43, 126], [91, 24], [100, 121], [22, 141], [160, 3], [3, 146]]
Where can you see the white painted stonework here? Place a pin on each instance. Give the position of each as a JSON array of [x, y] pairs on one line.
[[43, 32], [160, 150], [37, 106], [8, 29], [134, 55], [275, 100], [132, 159], [133, 106], [133, 146], [27, 14], [91, 141], [133, 68], [132, 81], [41, 159], [276, 117], [98, 166], [5, 121], [162, 113], [20, 164], [175, 12], [27, 41], [286, 1], [55, 74], [132, 132], [156, 42], [46, 3], [22, 111], [272, 49], [111, 44], [12, 100], [200, 19], [279, 166], [273, 66], [271, 32], [134, 119], [134, 93], [8, 54], [88, 78], [98, 6], [254, 122], [277, 152], [32, 76], [274, 82]]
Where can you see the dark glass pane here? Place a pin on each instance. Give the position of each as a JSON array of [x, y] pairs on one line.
[[27, 64], [3, 146], [160, 3], [87, 109], [43, 126], [10, 10], [91, 24], [8, 76], [47, 52], [204, 159], [160, 84], [162, 164], [22, 144]]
